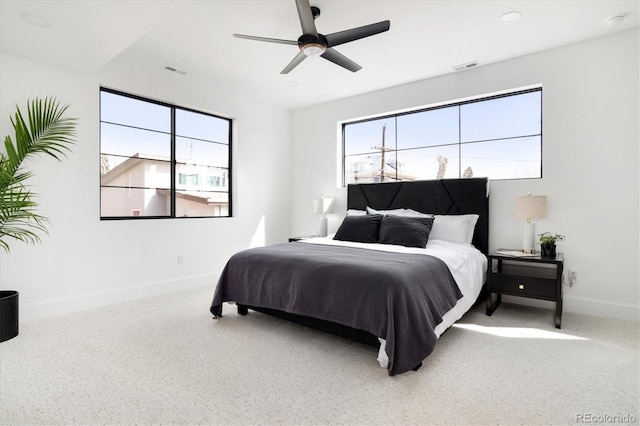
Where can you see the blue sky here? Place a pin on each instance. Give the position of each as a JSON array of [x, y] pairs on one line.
[[504, 136], [201, 138]]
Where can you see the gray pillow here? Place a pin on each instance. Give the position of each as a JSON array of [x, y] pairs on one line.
[[408, 231], [361, 229]]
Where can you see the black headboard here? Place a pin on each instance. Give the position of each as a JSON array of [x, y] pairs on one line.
[[445, 196]]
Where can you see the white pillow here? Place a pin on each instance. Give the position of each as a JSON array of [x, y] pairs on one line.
[[398, 212], [411, 212], [352, 212], [454, 228], [395, 212]]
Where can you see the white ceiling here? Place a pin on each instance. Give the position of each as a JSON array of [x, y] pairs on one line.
[[426, 39]]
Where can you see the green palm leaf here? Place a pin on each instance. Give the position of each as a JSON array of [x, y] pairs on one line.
[[46, 131]]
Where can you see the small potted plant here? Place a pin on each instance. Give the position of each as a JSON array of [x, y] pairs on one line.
[[548, 244]]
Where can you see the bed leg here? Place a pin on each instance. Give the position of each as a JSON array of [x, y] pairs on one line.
[[417, 367], [242, 310]]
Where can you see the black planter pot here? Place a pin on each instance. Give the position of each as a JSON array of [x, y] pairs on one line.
[[548, 251], [8, 314]]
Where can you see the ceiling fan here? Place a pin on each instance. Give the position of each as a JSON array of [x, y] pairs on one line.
[[312, 43]]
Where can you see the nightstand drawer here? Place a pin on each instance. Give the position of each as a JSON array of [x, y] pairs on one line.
[[526, 286]]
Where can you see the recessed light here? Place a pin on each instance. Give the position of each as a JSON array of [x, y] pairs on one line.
[[510, 16], [36, 20], [614, 20], [292, 83]]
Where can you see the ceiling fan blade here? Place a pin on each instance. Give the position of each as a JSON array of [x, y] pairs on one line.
[[294, 63], [306, 18], [339, 59], [267, 39], [334, 39]]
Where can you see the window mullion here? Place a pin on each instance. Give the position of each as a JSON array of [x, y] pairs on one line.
[[459, 141], [174, 163], [395, 148]]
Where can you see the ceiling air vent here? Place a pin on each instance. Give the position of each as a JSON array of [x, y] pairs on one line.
[[177, 71], [466, 66]]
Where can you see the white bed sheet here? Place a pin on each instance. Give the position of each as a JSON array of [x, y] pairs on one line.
[[467, 264]]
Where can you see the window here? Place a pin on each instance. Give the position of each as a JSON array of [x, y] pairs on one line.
[[162, 161], [498, 137]]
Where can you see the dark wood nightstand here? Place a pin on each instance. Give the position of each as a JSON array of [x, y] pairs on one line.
[[526, 276], [305, 237]]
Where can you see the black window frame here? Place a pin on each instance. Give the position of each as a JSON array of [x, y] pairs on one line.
[[173, 161], [459, 143]]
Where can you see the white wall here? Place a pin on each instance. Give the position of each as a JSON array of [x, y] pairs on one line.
[[85, 262], [591, 157], [590, 160]]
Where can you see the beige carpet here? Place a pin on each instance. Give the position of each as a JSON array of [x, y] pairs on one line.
[[165, 361]]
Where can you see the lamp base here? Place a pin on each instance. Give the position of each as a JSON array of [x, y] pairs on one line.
[[528, 238], [323, 227]]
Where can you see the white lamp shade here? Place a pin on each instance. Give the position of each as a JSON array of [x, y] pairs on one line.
[[531, 207], [323, 205]]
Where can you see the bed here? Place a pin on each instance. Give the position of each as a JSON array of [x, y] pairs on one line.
[[406, 263]]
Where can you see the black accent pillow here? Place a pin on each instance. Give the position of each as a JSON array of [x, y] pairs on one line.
[[408, 231], [361, 229]]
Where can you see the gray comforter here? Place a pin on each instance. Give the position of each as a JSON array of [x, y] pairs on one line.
[[398, 297]]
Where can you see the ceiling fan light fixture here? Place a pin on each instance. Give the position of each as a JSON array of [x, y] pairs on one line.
[[313, 49]]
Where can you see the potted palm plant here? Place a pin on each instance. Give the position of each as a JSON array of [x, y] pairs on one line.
[[45, 131], [548, 244]]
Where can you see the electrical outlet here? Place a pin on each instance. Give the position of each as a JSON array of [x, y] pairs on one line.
[[180, 259], [573, 277]]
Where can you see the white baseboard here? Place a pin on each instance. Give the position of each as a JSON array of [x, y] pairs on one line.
[[602, 308], [66, 305], [585, 306]]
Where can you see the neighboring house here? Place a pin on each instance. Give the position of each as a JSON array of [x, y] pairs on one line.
[[200, 190]]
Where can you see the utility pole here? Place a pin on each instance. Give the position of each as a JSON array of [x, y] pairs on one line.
[[383, 149]]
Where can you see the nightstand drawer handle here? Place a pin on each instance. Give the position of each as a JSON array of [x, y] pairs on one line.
[[521, 286]]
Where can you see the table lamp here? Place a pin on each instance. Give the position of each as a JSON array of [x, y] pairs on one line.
[[323, 206], [530, 207]]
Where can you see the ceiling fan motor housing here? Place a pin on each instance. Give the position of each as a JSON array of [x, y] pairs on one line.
[[305, 39]]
